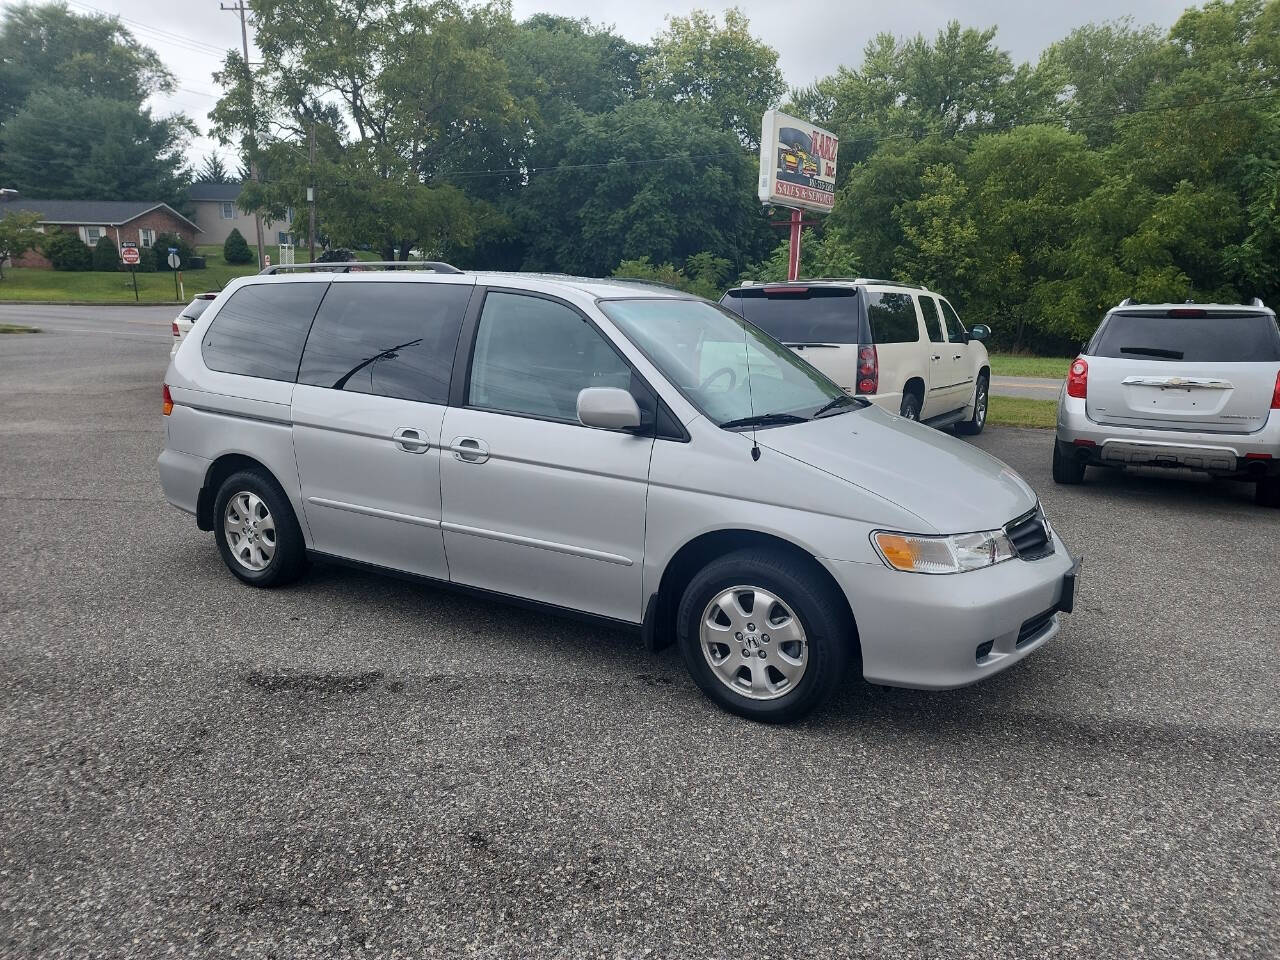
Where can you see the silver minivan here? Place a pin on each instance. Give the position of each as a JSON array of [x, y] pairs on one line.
[[615, 449]]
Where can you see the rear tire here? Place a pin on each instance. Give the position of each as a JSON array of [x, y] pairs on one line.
[[809, 636], [910, 407], [981, 398], [256, 531], [1066, 468], [1266, 493]]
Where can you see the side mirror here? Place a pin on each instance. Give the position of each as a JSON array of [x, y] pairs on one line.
[[609, 407], [979, 331]]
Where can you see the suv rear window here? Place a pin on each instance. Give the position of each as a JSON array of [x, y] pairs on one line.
[[1197, 336], [196, 307], [800, 314]]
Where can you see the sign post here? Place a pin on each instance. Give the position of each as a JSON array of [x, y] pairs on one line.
[[129, 254], [174, 263], [797, 170]]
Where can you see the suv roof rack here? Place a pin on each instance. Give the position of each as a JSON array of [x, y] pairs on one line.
[[345, 266], [890, 283]]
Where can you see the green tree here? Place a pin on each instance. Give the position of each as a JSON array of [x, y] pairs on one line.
[[235, 249], [62, 145], [213, 170], [66, 251], [18, 234], [105, 255], [724, 71], [93, 56]]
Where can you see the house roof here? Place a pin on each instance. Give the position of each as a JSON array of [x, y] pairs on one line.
[[214, 191], [110, 213]]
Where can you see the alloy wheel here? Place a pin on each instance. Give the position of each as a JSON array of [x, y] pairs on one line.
[[753, 642], [250, 530]]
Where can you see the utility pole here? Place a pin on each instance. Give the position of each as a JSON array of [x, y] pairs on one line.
[[240, 7], [311, 188]]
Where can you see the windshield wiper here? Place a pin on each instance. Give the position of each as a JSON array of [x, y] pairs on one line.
[[763, 420], [832, 404], [1154, 352]]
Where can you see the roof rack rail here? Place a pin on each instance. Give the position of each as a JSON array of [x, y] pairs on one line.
[[890, 283], [345, 266], [645, 280]]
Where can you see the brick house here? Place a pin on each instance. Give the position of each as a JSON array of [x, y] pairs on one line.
[[90, 220], [217, 214]]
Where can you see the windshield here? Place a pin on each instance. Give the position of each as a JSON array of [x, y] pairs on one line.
[[1196, 336], [727, 368]]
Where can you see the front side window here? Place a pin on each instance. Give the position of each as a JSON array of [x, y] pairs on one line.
[[727, 367], [533, 356], [955, 329], [389, 339], [259, 332], [932, 323], [228, 210], [892, 317]]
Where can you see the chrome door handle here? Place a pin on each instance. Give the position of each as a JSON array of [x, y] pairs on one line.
[[958, 356], [469, 450], [410, 440]]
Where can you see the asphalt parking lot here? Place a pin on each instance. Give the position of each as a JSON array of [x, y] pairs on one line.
[[356, 766]]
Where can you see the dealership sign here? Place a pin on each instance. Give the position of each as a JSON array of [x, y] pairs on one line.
[[797, 163]]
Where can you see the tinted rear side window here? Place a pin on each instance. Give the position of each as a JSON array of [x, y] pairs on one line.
[[388, 339], [929, 307], [892, 317], [801, 315], [259, 332], [1212, 338]]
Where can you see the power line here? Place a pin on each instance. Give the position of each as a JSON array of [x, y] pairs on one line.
[[190, 43]]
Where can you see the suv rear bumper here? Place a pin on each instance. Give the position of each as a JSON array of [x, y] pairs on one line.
[[1246, 455], [932, 632]]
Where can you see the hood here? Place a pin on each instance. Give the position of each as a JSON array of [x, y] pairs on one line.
[[950, 485]]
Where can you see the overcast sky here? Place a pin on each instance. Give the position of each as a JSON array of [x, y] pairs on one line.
[[812, 38]]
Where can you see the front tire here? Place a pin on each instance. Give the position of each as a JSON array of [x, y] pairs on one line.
[[981, 398], [763, 636], [1066, 468], [256, 531]]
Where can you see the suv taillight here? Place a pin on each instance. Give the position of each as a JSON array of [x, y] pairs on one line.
[[1078, 378], [175, 329], [167, 407], [868, 370], [1275, 394]]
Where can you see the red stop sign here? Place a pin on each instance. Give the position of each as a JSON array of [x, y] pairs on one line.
[[129, 255]]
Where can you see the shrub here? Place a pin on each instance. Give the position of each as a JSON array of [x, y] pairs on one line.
[[236, 248], [105, 255], [66, 251]]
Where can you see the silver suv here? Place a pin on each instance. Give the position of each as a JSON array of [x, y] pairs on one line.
[[615, 449], [1182, 385]]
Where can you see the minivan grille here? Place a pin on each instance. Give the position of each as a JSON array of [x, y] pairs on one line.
[[1029, 535]]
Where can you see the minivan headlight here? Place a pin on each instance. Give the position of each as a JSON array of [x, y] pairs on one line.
[[951, 554]]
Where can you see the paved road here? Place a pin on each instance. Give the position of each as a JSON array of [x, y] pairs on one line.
[[1041, 388], [360, 767]]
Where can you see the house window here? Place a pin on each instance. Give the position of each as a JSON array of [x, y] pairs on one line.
[[228, 210], [91, 235], [146, 236]]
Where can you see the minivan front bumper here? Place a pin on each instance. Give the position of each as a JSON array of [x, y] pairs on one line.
[[940, 632]]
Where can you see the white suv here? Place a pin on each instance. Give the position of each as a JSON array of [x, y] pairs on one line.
[[900, 346]]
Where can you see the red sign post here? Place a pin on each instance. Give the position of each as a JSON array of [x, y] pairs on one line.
[[129, 254]]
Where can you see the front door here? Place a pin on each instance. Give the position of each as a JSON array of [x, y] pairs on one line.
[[367, 416], [537, 505]]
